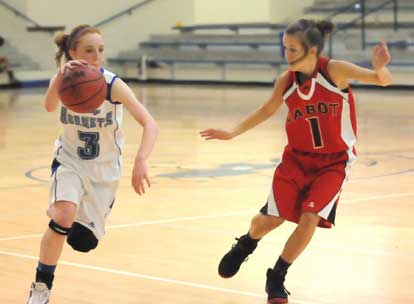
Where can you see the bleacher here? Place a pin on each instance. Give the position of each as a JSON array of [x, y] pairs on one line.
[[17, 61], [227, 48], [257, 46], [16, 58]]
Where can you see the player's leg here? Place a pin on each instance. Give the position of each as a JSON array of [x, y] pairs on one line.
[[12, 78], [318, 208], [247, 243], [89, 225], [296, 243], [66, 192], [5, 67], [300, 237], [278, 207], [62, 214]]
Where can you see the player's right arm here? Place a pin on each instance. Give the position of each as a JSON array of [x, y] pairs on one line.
[[52, 96], [261, 114]]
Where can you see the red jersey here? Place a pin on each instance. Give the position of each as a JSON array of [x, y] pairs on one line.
[[321, 117]]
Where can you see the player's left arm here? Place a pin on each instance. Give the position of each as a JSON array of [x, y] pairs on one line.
[[343, 71], [122, 92]]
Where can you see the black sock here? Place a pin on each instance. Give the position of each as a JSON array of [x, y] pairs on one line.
[[248, 242], [281, 266], [46, 268], [250, 239], [45, 274]]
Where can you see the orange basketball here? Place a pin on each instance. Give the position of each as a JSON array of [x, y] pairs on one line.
[[82, 88]]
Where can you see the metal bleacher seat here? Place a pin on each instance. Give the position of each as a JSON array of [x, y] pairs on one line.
[[234, 27], [210, 41], [238, 45], [222, 50]]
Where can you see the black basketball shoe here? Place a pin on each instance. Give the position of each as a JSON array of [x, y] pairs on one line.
[[230, 263], [276, 291]]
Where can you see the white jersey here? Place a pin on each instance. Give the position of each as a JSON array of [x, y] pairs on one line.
[[88, 167], [92, 138]]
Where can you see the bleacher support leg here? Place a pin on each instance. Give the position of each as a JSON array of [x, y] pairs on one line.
[[223, 72], [142, 72], [172, 71]]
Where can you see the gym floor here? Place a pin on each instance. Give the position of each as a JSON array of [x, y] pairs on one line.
[[164, 247]]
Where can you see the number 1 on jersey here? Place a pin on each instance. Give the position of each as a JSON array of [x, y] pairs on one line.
[[316, 132]]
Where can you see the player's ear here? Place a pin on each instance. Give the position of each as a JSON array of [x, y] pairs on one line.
[[72, 53], [313, 50]]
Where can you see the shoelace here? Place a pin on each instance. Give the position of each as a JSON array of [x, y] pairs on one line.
[[234, 245], [284, 288], [39, 295], [283, 285], [287, 291]]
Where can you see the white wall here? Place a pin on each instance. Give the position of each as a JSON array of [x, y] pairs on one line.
[[20, 5], [126, 32], [157, 17], [287, 11], [123, 33], [38, 46], [231, 11]]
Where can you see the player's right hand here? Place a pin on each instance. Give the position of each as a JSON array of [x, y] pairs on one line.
[[139, 175], [70, 64], [216, 134]]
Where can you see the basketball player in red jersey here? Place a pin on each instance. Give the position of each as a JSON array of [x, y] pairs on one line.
[[321, 131]]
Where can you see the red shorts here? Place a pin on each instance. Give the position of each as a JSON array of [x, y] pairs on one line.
[[308, 182]]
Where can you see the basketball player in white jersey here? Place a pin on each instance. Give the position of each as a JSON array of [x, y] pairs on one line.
[[87, 160]]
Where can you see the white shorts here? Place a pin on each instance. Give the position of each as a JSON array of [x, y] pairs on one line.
[[93, 196]]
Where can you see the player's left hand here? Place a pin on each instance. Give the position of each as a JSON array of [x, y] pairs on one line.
[[139, 174], [380, 56]]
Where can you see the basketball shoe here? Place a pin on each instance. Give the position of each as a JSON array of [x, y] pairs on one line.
[[39, 294], [230, 263], [276, 291]]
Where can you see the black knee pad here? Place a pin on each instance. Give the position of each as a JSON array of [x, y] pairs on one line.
[[57, 228], [81, 238]]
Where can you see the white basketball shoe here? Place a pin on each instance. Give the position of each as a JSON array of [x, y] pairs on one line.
[[39, 294]]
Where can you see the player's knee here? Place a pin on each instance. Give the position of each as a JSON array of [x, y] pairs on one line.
[[275, 221], [81, 238], [64, 216], [266, 222], [309, 219]]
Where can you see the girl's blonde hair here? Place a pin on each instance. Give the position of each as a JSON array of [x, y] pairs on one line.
[[66, 42]]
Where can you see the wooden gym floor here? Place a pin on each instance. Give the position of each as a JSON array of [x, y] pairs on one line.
[[164, 247]]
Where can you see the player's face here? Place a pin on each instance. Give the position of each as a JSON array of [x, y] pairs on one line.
[[90, 48], [294, 52]]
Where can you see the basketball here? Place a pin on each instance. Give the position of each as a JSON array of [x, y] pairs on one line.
[[82, 88]]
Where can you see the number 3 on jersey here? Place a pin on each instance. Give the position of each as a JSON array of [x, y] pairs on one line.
[[316, 132], [91, 148]]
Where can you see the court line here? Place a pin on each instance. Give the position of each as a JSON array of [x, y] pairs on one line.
[[192, 218], [152, 278], [201, 217], [369, 198], [182, 219], [155, 222]]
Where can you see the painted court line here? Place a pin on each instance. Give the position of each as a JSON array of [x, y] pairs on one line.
[[152, 278], [192, 218], [181, 219], [144, 223], [370, 198]]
